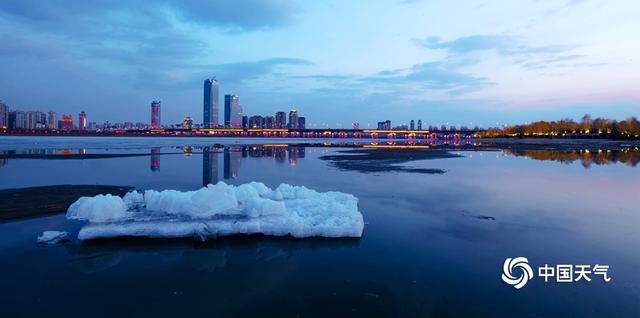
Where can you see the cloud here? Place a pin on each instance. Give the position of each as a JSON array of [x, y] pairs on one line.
[[442, 76], [503, 44], [530, 57], [241, 15], [24, 46], [250, 70]]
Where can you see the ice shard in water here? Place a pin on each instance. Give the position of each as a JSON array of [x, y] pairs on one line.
[[219, 210]]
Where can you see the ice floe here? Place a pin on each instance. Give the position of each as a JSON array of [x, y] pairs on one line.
[[53, 237], [219, 210]]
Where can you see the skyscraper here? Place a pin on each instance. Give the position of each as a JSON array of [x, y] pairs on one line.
[[17, 119], [67, 122], [302, 122], [3, 115], [82, 121], [245, 122], [232, 111], [293, 119], [155, 114], [412, 125], [419, 124], [36, 120], [210, 103], [52, 120], [269, 122], [281, 120]]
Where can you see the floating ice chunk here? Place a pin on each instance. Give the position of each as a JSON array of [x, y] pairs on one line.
[[134, 200], [205, 202], [221, 209], [101, 208], [53, 237]]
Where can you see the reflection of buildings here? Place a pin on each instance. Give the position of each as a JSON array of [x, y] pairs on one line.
[[155, 159], [630, 157], [209, 166], [3, 162], [295, 153], [232, 157]]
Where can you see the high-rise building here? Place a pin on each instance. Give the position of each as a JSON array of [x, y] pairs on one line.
[[412, 125], [232, 111], [11, 120], [155, 114], [281, 120], [269, 122], [36, 120], [384, 125], [19, 119], [82, 121], [52, 120], [210, 103], [293, 119], [4, 120], [245, 122], [67, 122], [302, 122], [419, 124], [256, 122]]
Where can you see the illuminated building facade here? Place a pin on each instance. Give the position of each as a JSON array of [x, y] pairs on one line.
[[67, 122], [210, 103], [82, 121], [232, 111], [293, 119], [155, 114]]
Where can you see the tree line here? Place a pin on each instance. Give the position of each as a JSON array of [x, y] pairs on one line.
[[586, 127]]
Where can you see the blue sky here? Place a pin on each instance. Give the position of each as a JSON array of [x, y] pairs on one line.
[[455, 62]]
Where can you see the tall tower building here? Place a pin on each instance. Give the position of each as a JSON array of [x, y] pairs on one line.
[[293, 119], [281, 120], [155, 114], [82, 121], [412, 125], [67, 122], [4, 114], [232, 111], [210, 104], [52, 120], [419, 124]]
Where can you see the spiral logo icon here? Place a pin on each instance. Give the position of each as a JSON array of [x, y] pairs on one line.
[[510, 265]]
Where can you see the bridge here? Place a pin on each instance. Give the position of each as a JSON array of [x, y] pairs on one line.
[[311, 133]]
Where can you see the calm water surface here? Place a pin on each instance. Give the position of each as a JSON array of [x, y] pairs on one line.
[[433, 244]]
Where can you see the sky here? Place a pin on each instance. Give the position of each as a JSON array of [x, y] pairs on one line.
[[337, 62]]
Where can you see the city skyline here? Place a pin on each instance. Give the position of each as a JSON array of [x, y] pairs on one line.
[[439, 69]]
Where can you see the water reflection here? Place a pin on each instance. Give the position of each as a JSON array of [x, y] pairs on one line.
[[97, 256], [291, 153], [155, 159], [209, 166], [629, 157]]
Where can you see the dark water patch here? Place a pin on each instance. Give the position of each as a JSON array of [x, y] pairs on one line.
[[386, 160], [36, 201]]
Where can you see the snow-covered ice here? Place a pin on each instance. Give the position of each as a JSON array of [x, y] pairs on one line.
[[219, 210], [53, 237]]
